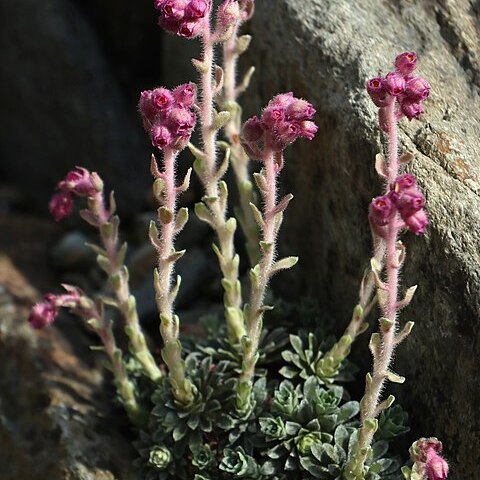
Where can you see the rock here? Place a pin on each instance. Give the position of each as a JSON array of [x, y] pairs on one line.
[[325, 50], [72, 252], [57, 419], [63, 107], [196, 269]]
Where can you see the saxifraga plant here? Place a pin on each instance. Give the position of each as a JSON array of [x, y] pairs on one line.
[[251, 401]]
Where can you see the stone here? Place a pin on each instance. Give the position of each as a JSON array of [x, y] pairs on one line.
[[57, 419], [325, 50], [62, 106]]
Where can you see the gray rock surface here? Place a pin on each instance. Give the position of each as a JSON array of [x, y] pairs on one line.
[[325, 50], [62, 106]]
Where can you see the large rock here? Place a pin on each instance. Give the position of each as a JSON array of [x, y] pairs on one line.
[[325, 50], [62, 105]]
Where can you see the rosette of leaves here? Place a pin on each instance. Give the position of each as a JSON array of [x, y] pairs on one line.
[[300, 417], [237, 464], [306, 359], [392, 423], [327, 460], [191, 426], [217, 346]]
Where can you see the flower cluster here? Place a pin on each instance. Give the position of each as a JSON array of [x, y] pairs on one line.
[[406, 198], [78, 182], [410, 91], [284, 119], [426, 455], [168, 116], [182, 17], [44, 313]]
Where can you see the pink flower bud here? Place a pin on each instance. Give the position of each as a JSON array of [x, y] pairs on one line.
[[417, 223], [189, 29], [377, 92], [162, 98], [196, 9], [308, 129], [394, 84], [78, 182], [181, 121], [417, 89], [247, 8], [61, 205], [252, 130], [228, 14], [185, 94], [282, 100], [300, 109], [161, 136], [404, 182], [272, 115], [173, 9], [42, 314], [410, 201], [381, 210], [147, 109], [406, 62], [411, 110], [436, 466], [287, 133]]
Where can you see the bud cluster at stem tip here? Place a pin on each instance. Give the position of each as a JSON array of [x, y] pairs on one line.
[[44, 313], [183, 17], [401, 85], [426, 454], [168, 116], [77, 183], [405, 198], [284, 119]]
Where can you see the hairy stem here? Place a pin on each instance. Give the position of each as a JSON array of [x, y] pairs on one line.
[[119, 281], [182, 388], [260, 276], [239, 158], [216, 197], [383, 352]]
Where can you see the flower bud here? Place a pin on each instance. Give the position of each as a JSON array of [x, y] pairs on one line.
[[417, 223], [308, 129], [181, 121], [394, 84], [410, 202], [411, 110], [78, 182], [162, 98], [61, 205], [161, 136], [173, 9], [406, 62], [189, 29], [228, 15], [436, 466], [381, 210], [417, 89], [252, 130], [196, 9], [377, 92], [185, 94], [42, 314], [300, 109], [404, 182]]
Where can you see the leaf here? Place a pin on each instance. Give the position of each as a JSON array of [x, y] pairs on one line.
[[347, 411], [283, 204], [405, 158], [257, 215], [381, 165], [395, 378], [283, 264], [220, 119], [242, 44], [181, 220]]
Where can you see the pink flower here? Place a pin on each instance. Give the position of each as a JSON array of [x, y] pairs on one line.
[[394, 84], [162, 98], [252, 130], [78, 182], [378, 93], [412, 110], [308, 129], [61, 205], [185, 94], [436, 466], [417, 222], [417, 89], [228, 14], [406, 62], [300, 109], [381, 210], [43, 314], [197, 9], [161, 136]]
